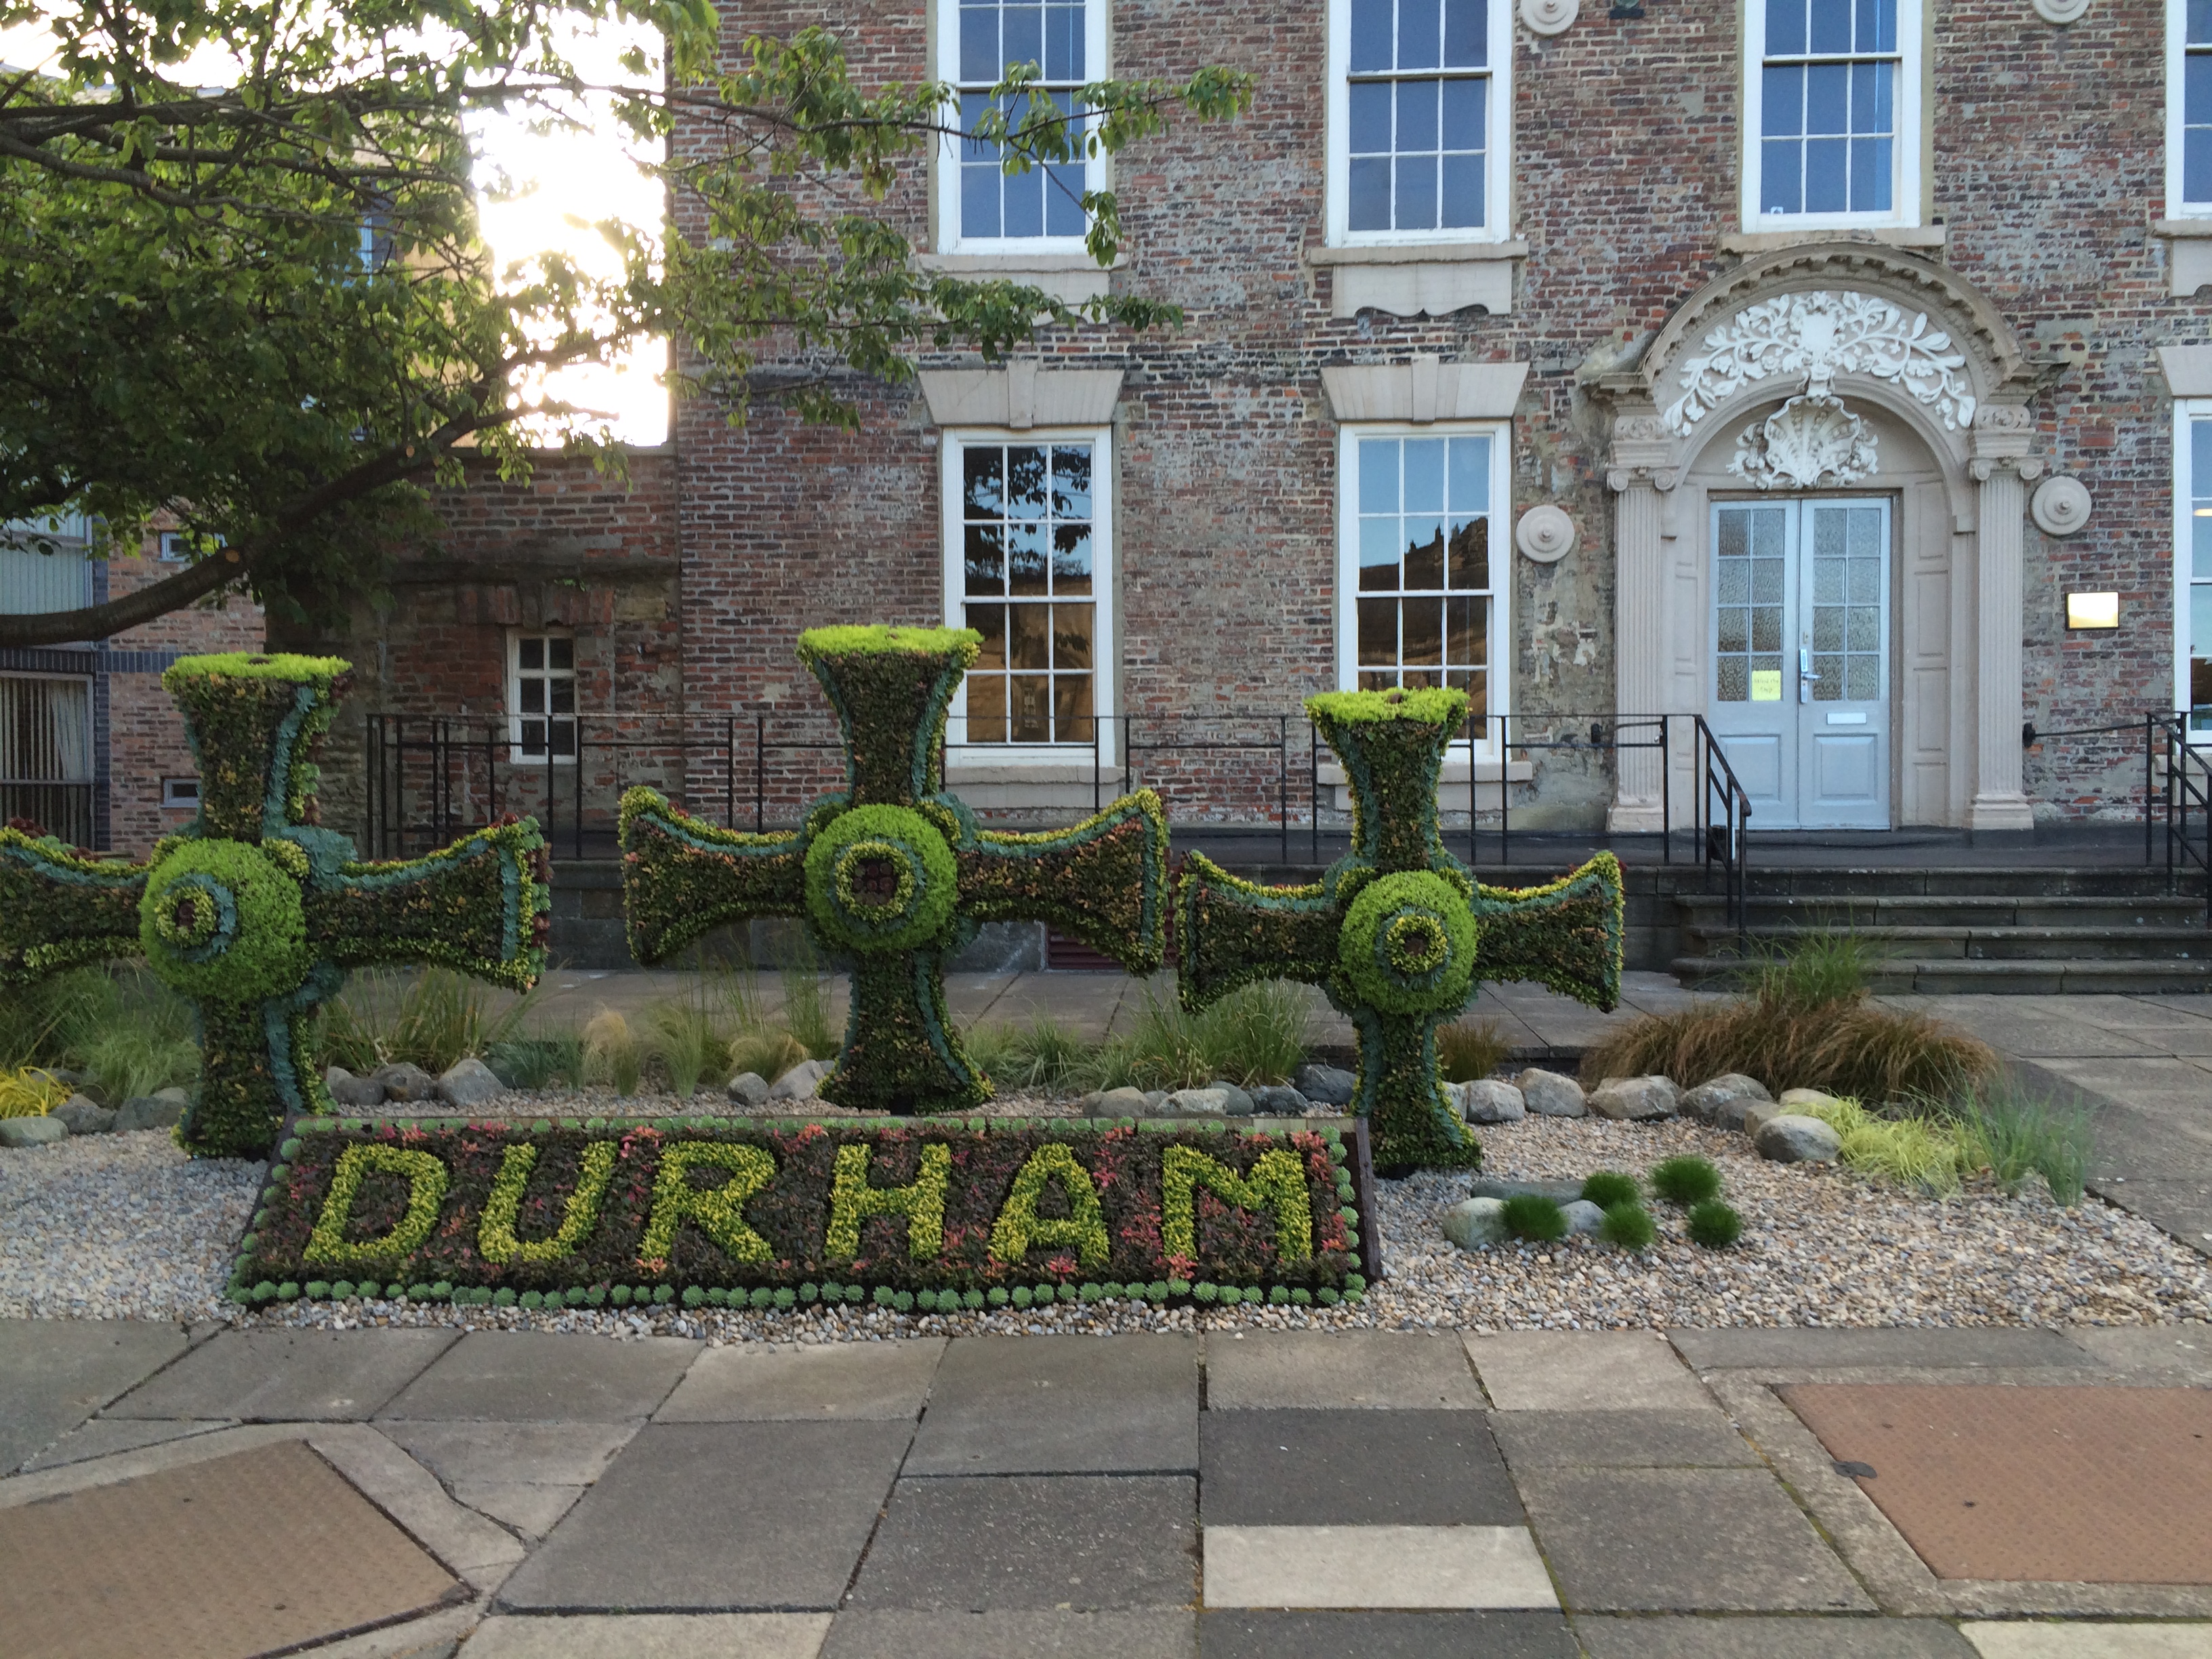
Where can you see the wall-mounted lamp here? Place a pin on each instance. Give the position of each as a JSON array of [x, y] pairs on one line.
[[2093, 610]]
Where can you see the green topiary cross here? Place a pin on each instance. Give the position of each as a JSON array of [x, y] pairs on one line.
[[255, 913], [893, 873], [1397, 931]]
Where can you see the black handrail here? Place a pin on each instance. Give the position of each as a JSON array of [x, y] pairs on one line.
[[1726, 838], [2182, 790], [2148, 725]]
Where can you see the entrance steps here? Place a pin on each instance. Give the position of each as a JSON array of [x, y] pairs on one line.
[[2020, 930]]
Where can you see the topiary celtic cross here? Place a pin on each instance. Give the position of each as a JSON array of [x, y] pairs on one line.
[[1397, 931], [255, 913], [893, 873]]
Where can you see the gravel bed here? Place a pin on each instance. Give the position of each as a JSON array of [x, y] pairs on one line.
[[119, 1226], [113, 1226]]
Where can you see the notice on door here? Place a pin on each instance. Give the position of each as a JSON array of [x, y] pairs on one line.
[[1766, 685]]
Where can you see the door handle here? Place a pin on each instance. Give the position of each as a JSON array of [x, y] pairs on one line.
[[1806, 679]]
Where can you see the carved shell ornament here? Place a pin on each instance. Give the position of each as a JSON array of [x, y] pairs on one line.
[[1810, 443], [1812, 337], [1545, 534]]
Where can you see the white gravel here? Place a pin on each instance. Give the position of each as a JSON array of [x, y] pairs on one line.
[[113, 1226], [119, 1227]]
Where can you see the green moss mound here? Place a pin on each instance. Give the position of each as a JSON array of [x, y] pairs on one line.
[[1407, 944], [881, 878], [1685, 1180], [1714, 1225], [1533, 1217], [1610, 1187]]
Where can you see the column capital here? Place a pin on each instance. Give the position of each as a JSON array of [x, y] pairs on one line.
[[1983, 468], [1620, 479]]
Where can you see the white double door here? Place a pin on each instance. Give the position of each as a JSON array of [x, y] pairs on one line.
[[1799, 635]]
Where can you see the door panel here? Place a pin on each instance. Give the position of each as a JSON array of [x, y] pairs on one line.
[[1799, 632]]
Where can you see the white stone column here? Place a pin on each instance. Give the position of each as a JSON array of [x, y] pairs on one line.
[[1639, 612], [2002, 469]]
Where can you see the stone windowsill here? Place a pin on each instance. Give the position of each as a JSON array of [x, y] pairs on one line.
[[1418, 279], [2188, 254], [1071, 278], [2177, 229], [1416, 253], [1923, 237]]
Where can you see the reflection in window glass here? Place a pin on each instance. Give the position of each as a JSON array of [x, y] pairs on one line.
[[1827, 100], [1424, 543], [2198, 610], [1416, 109], [2196, 107], [1045, 201], [1026, 529]]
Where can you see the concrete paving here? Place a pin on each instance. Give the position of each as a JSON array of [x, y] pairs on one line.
[[1553, 1495]]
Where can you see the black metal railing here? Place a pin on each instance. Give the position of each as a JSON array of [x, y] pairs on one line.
[[2188, 787], [66, 810], [2145, 731], [1723, 837]]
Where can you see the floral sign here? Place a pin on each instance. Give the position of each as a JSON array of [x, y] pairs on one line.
[[953, 1214]]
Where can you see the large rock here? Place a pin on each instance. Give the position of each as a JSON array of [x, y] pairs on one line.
[[1240, 1104], [1583, 1216], [1560, 1192], [347, 1090], [81, 1114], [1127, 1101], [158, 1111], [1325, 1084], [467, 1083], [1197, 1102], [748, 1088], [1477, 1224], [31, 1131], [1487, 1100], [1798, 1099], [1548, 1094], [1759, 1113], [404, 1080], [1636, 1099], [802, 1082], [1721, 1101], [1277, 1100], [1791, 1138]]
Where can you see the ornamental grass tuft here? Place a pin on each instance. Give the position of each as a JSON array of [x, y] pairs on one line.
[[1628, 1225], [1715, 1225], [1470, 1050], [1532, 1215], [2012, 1136], [432, 1020], [1685, 1180], [806, 1004], [1257, 1033], [1607, 1187], [31, 1092], [1912, 1151], [613, 1053]]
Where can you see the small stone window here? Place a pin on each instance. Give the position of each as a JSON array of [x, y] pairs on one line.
[[541, 696]]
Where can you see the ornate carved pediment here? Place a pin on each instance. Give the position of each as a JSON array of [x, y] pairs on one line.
[[1811, 442]]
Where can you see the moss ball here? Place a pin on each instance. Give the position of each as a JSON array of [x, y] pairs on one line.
[[1610, 1187], [1685, 1180], [1715, 1225], [1628, 1225], [1532, 1215]]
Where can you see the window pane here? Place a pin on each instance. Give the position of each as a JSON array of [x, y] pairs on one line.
[[1786, 28], [1422, 643], [1025, 480], [1416, 202], [989, 621], [1063, 200], [1870, 175], [1071, 482], [1767, 628], [1368, 203], [2200, 23], [1464, 643], [986, 706], [984, 476], [1877, 29], [533, 696], [1467, 33], [1828, 98], [1022, 205], [1469, 480], [1378, 476], [2200, 624], [1477, 687], [1071, 712], [1025, 559], [1825, 160], [1063, 43], [1830, 26], [1735, 682], [1032, 644], [986, 559], [1371, 35], [1031, 713], [1470, 556], [533, 737], [1023, 34], [1462, 116], [980, 62], [1378, 632], [2197, 164], [1370, 125], [530, 653], [1424, 475], [1420, 34], [1735, 629], [1870, 96], [561, 653], [1071, 559], [562, 695], [979, 198], [1463, 192], [1380, 550], [1070, 636], [564, 738], [1424, 554], [1416, 113]]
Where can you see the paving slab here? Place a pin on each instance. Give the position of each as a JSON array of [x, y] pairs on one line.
[[523, 1377], [1500, 1633], [2178, 1353], [1770, 1639], [828, 1382], [719, 1516], [287, 1376], [1069, 1542], [1007, 1633], [1389, 1370], [1620, 1440], [651, 1636], [1053, 1404], [55, 1373], [528, 1475], [105, 1437], [1798, 1348], [1293, 1468], [2073, 1638], [1583, 1371], [1719, 1541], [1358, 1567]]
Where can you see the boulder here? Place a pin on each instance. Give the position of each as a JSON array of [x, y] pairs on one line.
[[1477, 1224], [1487, 1100], [1721, 1101], [467, 1083], [1154, 1099], [1799, 1099], [1548, 1094], [1791, 1138], [1240, 1104], [1583, 1216], [1324, 1084], [347, 1090], [802, 1082], [42, 1131], [1124, 1102], [1757, 1113], [81, 1114], [158, 1111], [1198, 1102], [748, 1088], [404, 1080], [1636, 1099], [1277, 1100], [1560, 1192]]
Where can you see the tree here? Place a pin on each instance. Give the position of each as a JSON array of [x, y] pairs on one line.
[[264, 307]]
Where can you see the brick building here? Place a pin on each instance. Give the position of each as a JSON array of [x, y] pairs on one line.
[[1793, 365]]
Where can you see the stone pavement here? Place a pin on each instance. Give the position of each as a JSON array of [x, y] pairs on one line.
[[1243, 1491]]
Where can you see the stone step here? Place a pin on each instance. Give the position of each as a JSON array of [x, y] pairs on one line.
[[1959, 976], [2147, 881], [1705, 911], [2148, 943]]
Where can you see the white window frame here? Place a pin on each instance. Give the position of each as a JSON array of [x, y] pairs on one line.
[[946, 49], [180, 795], [1499, 647], [2186, 412], [1906, 151], [516, 755], [953, 539], [2177, 72], [1498, 170]]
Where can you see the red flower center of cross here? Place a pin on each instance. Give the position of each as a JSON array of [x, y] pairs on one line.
[[875, 881], [185, 914]]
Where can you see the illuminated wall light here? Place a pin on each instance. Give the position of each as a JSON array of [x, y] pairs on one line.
[[2093, 610]]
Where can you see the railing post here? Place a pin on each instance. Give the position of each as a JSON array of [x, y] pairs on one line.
[[1283, 782], [1313, 781], [1665, 794], [759, 784], [1473, 747], [2149, 721]]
